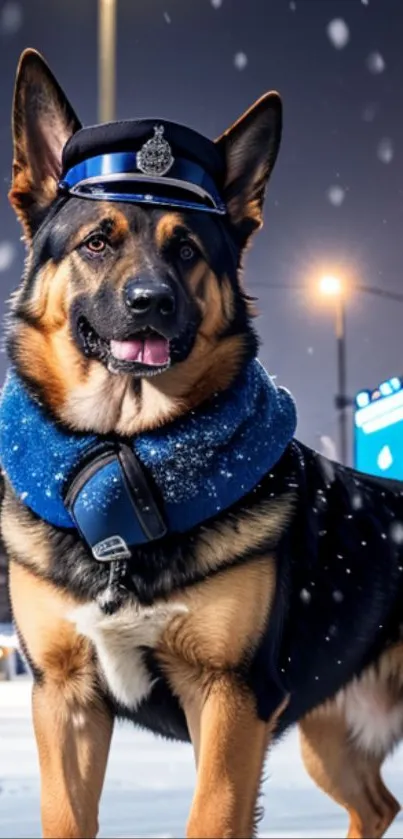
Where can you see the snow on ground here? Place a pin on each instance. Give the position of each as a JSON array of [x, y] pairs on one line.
[[149, 783]]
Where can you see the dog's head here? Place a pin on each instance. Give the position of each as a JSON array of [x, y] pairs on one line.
[[128, 314]]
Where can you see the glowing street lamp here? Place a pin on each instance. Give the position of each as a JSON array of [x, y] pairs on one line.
[[330, 285]]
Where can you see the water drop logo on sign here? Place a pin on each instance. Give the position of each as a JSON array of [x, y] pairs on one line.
[[378, 430]]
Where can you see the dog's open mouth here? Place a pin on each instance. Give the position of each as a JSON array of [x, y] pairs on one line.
[[150, 349], [146, 352]]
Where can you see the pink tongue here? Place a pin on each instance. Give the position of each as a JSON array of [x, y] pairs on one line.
[[152, 351], [155, 351]]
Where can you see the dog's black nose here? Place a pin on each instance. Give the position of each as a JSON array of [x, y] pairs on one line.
[[145, 298]]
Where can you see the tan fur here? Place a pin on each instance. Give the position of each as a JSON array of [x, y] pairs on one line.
[[31, 186], [372, 705], [101, 213], [22, 188], [46, 351], [111, 404], [225, 617], [227, 300], [165, 228], [224, 620], [48, 297], [192, 705], [231, 744], [213, 308], [345, 758], [225, 544], [100, 401], [51, 639], [198, 281], [119, 224], [73, 745], [244, 202], [23, 537], [39, 355], [347, 774], [169, 225], [105, 403], [73, 728], [211, 365]]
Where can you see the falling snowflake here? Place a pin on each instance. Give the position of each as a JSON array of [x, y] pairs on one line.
[[376, 63], [328, 448], [385, 150], [338, 596], [365, 2], [369, 112], [240, 60], [396, 532], [216, 4], [356, 501], [310, 350], [338, 33], [336, 195], [7, 255], [305, 595], [293, 5], [167, 17], [11, 17]]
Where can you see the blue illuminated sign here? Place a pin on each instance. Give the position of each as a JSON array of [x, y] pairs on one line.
[[378, 430]]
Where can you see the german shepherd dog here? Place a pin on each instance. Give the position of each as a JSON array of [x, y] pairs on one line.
[[285, 609]]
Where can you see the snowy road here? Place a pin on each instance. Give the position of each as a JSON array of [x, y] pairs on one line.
[[149, 784]]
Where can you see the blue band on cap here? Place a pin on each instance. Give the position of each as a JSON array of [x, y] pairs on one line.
[[96, 176]]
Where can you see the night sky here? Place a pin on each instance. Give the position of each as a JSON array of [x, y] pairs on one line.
[[335, 201]]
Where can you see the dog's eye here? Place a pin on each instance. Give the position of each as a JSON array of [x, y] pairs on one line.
[[186, 251], [95, 243]]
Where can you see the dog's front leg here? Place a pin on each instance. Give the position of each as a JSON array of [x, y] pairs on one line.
[[73, 745], [230, 742], [73, 726]]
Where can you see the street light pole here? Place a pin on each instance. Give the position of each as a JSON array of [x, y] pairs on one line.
[[381, 292], [331, 286], [106, 60], [341, 397]]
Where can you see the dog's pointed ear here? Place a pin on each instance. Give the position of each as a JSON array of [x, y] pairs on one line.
[[250, 149], [43, 121]]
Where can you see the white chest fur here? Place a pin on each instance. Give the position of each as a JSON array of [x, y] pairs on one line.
[[120, 639]]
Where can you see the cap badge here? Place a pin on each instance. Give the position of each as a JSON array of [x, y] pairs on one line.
[[155, 157]]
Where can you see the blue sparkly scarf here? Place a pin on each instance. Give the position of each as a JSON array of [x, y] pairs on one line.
[[202, 463]]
